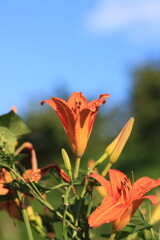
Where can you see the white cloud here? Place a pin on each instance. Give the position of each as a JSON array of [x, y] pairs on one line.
[[135, 16]]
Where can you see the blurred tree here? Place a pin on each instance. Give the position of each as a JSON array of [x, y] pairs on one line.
[[143, 149], [146, 103]]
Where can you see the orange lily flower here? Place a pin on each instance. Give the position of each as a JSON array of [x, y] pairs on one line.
[[35, 176], [11, 206], [122, 199], [5, 177], [77, 116]]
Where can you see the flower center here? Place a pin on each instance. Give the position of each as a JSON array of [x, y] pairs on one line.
[[78, 104], [124, 191]]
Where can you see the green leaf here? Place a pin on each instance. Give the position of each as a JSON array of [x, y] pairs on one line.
[[5, 158], [138, 224], [14, 124], [6, 136], [19, 157], [23, 188]]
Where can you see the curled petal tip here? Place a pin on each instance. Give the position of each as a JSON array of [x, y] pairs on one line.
[[104, 95]]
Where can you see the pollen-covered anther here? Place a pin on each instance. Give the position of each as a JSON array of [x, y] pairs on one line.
[[123, 184], [128, 188], [78, 104]]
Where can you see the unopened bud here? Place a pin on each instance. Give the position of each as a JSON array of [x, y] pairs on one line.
[[67, 162], [115, 148], [155, 217], [38, 220], [30, 213], [101, 190]]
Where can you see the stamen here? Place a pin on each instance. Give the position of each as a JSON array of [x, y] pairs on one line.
[[78, 104], [132, 177]]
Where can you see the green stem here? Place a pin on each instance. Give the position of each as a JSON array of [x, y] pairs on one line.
[[24, 213], [101, 159], [158, 234], [105, 171], [79, 206], [80, 200], [58, 186], [64, 224], [89, 206], [76, 170], [151, 229], [66, 204], [112, 237], [40, 198], [27, 224]]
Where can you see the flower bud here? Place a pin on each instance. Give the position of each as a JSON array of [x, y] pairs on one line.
[[155, 217], [67, 162], [116, 147]]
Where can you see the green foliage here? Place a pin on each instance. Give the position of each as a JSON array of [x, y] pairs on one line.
[[9, 158], [11, 129], [14, 124], [70, 203], [141, 154], [146, 102]]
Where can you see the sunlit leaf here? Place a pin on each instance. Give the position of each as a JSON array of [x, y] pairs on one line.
[[14, 124]]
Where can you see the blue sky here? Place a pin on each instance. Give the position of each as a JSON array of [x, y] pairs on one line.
[[89, 46]]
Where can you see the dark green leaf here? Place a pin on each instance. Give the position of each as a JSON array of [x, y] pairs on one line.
[[22, 187], [19, 157]]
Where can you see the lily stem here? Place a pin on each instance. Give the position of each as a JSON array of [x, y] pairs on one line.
[[112, 237], [24, 212], [105, 171], [101, 159], [40, 198], [76, 170], [27, 224], [66, 203]]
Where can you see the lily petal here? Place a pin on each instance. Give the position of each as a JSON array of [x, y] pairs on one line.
[[77, 99], [65, 114], [29, 175], [118, 181], [104, 182], [96, 103], [122, 222], [152, 198], [142, 186], [77, 116], [107, 212]]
